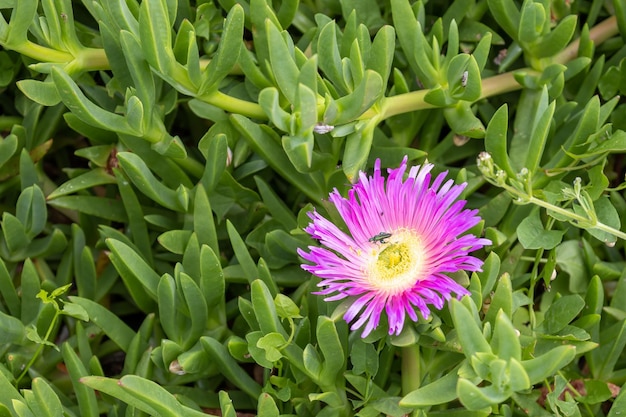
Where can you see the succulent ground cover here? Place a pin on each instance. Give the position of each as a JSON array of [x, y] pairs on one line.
[[312, 208]]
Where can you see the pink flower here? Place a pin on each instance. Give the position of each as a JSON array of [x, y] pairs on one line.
[[405, 235]]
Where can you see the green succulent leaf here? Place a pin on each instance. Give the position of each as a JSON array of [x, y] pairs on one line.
[[349, 107], [532, 234], [227, 53], [162, 161], [87, 111], [42, 92], [89, 179], [440, 391], [146, 182], [463, 121], [539, 368], [471, 338]]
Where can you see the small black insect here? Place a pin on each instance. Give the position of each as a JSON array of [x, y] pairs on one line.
[[380, 238]]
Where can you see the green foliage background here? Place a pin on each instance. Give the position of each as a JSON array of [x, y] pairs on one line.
[[158, 159]]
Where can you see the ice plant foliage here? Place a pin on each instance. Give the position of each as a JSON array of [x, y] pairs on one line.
[[405, 236]]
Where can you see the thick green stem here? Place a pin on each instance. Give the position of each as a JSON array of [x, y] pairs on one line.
[[42, 53], [7, 122], [92, 59], [404, 103], [234, 105], [411, 369], [498, 84], [600, 33], [87, 59]]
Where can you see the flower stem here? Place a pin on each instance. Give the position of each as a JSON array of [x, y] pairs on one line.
[[534, 278], [577, 219], [411, 369], [39, 348]]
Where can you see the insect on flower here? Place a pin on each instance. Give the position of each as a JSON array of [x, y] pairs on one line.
[[408, 273], [380, 238]]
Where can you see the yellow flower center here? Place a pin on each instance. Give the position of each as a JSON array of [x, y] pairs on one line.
[[393, 260], [397, 264]]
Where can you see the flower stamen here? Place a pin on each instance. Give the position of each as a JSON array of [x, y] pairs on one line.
[[397, 265]]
